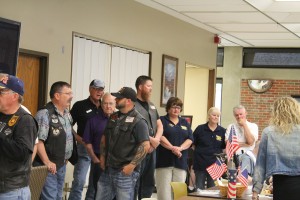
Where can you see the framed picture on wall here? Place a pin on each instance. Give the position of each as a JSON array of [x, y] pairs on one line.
[[168, 79], [189, 118]]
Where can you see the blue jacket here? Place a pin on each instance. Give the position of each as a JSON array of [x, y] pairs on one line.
[[277, 154]]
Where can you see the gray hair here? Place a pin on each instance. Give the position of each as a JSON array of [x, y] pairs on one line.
[[238, 107]]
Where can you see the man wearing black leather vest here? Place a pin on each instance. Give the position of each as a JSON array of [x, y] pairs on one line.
[[56, 139], [146, 182], [124, 145], [18, 131]]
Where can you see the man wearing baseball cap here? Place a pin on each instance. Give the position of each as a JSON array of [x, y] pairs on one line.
[[81, 112], [18, 131], [124, 145]]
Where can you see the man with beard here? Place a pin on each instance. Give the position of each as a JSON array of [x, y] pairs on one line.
[[81, 112], [146, 182], [124, 145], [56, 140]]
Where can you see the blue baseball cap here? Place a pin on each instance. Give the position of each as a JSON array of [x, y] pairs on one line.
[[13, 83]]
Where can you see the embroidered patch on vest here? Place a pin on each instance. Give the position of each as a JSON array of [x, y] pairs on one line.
[[55, 131], [13, 120], [8, 131]]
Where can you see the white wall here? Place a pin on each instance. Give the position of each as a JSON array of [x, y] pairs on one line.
[[47, 27]]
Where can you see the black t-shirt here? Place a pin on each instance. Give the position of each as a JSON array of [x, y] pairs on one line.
[[81, 112]]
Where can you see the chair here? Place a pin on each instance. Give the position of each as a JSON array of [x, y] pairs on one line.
[[36, 182], [179, 189]]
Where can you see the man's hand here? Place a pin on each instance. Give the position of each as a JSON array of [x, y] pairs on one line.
[[154, 142], [242, 122], [102, 163], [128, 169], [51, 167]]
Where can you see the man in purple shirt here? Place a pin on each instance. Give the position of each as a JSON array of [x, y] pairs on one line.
[[92, 136]]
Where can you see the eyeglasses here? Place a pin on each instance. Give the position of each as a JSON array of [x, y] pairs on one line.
[[67, 93], [108, 103], [99, 89], [176, 107], [3, 92]]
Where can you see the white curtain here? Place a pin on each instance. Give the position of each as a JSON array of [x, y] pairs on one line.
[[116, 66], [91, 60], [126, 66]]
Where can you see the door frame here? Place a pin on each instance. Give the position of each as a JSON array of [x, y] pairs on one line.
[[43, 73]]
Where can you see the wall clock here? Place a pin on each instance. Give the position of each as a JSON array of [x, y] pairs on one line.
[[260, 86]]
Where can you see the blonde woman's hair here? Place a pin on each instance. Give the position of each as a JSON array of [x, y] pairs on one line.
[[285, 114], [211, 110]]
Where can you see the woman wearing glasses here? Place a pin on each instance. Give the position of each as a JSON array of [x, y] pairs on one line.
[[172, 154]]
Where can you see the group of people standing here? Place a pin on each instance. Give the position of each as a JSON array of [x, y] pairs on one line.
[[125, 149]]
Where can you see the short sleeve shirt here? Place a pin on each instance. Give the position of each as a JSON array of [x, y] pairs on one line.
[[207, 144], [94, 130], [42, 118], [176, 134], [81, 112], [241, 137]]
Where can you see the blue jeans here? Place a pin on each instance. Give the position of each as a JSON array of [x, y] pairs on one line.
[[201, 177], [146, 182], [80, 171], [113, 182], [53, 187], [18, 194]]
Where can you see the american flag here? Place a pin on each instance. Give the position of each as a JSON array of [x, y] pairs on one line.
[[231, 191], [243, 176], [232, 143], [217, 169]]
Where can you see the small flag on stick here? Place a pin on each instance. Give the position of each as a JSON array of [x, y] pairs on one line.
[[231, 191], [232, 144], [243, 176], [217, 169]]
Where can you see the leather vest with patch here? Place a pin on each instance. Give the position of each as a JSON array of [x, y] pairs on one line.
[[150, 117]]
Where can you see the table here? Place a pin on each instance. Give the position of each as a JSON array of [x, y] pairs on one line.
[[195, 196]]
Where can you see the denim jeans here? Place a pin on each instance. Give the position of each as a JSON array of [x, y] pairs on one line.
[[79, 175], [201, 177], [113, 182], [18, 194], [53, 187], [146, 182]]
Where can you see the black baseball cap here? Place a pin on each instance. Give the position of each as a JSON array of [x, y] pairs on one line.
[[125, 92]]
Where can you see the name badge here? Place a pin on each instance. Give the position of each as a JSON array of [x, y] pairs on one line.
[[152, 107], [88, 111], [184, 127], [129, 119]]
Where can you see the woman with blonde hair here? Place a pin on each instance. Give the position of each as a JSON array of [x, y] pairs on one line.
[[279, 152], [209, 139]]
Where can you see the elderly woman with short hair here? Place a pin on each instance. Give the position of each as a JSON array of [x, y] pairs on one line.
[[209, 139], [172, 154]]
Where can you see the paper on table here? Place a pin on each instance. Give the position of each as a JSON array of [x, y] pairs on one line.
[[209, 192]]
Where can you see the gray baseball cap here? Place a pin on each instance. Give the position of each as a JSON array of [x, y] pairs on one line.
[[96, 83]]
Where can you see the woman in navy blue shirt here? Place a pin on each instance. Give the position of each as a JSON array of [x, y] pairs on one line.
[[172, 154], [209, 139]]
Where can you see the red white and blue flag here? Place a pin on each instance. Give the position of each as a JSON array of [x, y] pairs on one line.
[[231, 191], [243, 177], [217, 169], [232, 144]]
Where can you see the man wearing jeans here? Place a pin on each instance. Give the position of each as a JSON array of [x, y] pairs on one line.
[[81, 112], [56, 140], [18, 131], [124, 145]]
